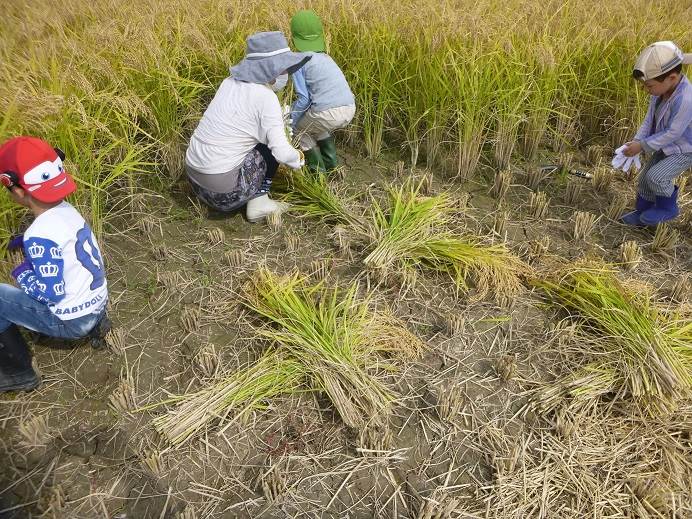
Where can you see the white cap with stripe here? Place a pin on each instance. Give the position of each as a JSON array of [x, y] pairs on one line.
[[659, 58]]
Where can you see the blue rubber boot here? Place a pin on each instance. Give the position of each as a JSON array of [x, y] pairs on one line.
[[666, 208], [641, 205]]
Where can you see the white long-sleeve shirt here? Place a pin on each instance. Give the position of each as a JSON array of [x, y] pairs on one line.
[[240, 116]]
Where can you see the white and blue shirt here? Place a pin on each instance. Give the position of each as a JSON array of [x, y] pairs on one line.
[[668, 123], [67, 271]]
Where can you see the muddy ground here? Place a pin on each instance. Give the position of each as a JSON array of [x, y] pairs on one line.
[[174, 283]]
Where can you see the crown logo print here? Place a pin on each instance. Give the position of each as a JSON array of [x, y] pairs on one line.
[[41, 286], [36, 250], [59, 288], [56, 252], [48, 270]]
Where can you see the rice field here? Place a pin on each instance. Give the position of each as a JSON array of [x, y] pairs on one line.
[[445, 329]]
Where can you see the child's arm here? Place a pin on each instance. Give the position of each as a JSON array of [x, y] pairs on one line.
[[647, 123], [303, 101], [680, 120], [41, 274]]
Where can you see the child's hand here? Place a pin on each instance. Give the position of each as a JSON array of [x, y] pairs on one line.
[[632, 148]]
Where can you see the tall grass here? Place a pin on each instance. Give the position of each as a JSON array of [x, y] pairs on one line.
[[124, 82]]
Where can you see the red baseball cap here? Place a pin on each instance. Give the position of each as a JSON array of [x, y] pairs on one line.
[[35, 166]]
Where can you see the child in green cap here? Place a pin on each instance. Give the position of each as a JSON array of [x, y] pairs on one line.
[[325, 102]]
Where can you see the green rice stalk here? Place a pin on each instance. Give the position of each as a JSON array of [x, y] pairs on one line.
[[310, 194], [241, 392], [649, 353], [334, 335], [412, 231]]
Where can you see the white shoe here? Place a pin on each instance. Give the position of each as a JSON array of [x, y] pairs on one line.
[[259, 208]]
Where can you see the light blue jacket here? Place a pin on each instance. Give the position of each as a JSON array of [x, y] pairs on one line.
[[319, 85], [671, 132]]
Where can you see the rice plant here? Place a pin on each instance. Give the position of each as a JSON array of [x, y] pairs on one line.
[[160, 252], [682, 288], [572, 192], [319, 269], [410, 232], [629, 348], [538, 205], [630, 255], [682, 185], [584, 223], [116, 340], [451, 402], [602, 178], [462, 202], [293, 243], [538, 249], [522, 82], [207, 361], [275, 221], [235, 257], [666, 238], [454, 324], [325, 340], [616, 207], [500, 219], [566, 160], [238, 393], [148, 225], [503, 180], [336, 336], [215, 236], [534, 177], [595, 154], [123, 399], [35, 431], [311, 195], [189, 318], [506, 367], [153, 463]]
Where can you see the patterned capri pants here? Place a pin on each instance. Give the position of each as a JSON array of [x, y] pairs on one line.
[[252, 179], [657, 176]]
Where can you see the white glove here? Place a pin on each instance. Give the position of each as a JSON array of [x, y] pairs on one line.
[[624, 163], [286, 113], [618, 161]]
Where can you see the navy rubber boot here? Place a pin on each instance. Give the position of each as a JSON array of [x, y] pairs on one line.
[[666, 208], [641, 205]]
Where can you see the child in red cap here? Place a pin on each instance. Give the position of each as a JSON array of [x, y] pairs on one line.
[[62, 284]]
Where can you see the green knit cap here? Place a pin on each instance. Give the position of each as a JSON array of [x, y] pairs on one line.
[[307, 32]]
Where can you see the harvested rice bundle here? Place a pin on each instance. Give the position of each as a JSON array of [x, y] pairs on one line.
[[239, 393], [336, 336], [310, 194], [630, 348], [412, 231]]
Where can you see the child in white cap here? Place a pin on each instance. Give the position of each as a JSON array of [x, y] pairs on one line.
[[666, 133]]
